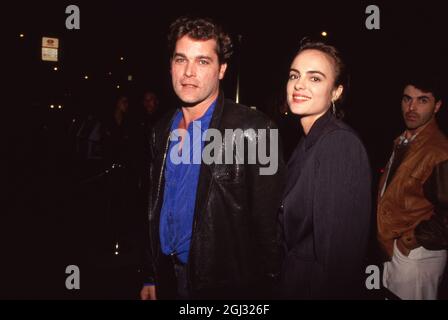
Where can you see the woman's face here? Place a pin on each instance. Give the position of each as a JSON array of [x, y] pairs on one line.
[[310, 87]]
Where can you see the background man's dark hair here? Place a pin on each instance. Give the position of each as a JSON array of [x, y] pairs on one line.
[[425, 81], [201, 29]]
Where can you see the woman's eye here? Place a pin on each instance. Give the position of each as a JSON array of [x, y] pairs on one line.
[[293, 76], [315, 79]]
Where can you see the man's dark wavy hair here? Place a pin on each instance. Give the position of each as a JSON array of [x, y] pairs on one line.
[[201, 29]]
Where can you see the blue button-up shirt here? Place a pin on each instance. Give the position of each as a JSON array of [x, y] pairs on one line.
[[181, 181]]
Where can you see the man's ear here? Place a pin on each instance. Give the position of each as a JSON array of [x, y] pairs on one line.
[[222, 70], [438, 105]]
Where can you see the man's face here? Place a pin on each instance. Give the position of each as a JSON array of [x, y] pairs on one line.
[[123, 104], [418, 107], [195, 71], [150, 102]]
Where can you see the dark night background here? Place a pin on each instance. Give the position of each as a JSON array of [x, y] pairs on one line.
[[52, 219]]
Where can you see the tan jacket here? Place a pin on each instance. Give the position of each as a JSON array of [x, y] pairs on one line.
[[405, 202]]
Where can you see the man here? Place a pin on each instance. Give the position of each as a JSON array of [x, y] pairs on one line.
[[150, 102], [150, 110], [413, 199], [213, 226], [150, 115]]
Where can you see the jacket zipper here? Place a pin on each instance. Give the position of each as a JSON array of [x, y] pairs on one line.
[[151, 209]]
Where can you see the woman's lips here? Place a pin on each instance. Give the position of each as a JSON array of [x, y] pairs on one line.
[[298, 98]]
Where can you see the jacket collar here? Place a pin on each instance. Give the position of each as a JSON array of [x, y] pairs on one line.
[[217, 113], [317, 129], [205, 173], [423, 136], [214, 123]]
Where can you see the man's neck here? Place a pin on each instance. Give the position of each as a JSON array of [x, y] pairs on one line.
[[118, 117], [191, 114], [409, 133]]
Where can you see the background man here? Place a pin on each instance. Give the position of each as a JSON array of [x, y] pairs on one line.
[[413, 199]]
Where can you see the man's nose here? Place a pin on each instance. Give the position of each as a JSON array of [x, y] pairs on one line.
[[190, 70]]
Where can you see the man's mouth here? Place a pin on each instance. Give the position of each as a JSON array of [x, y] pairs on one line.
[[411, 116], [189, 85]]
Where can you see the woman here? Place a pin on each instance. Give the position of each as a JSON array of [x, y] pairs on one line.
[[325, 211]]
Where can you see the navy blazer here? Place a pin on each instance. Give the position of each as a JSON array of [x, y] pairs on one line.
[[326, 213]]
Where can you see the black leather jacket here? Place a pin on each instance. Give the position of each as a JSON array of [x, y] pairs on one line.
[[235, 242]]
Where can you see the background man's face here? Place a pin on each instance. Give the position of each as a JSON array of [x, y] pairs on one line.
[[195, 70], [418, 107], [123, 104], [150, 102]]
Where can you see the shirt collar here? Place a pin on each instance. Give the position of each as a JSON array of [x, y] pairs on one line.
[[206, 117], [420, 137], [204, 120]]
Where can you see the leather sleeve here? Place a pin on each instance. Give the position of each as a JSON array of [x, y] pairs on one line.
[[146, 257], [266, 192], [432, 234]]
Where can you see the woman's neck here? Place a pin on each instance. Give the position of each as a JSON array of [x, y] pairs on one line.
[[308, 121]]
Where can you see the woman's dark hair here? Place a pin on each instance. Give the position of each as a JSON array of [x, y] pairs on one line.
[[201, 29], [341, 75]]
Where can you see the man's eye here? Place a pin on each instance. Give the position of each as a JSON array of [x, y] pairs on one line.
[[203, 62], [179, 60], [424, 100]]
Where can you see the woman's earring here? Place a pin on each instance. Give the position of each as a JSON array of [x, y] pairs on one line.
[[334, 107]]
